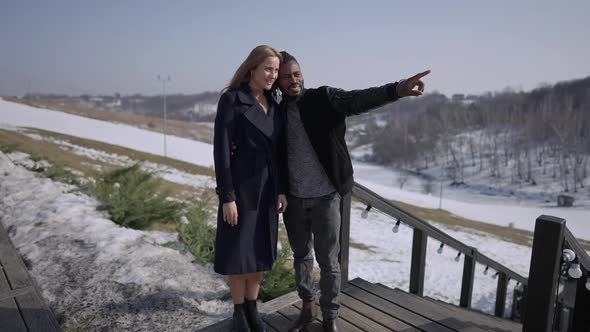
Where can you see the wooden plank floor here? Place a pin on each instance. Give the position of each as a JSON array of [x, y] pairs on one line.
[[374, 307], [21, 306]]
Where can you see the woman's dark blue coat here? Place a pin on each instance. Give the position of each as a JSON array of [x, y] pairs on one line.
[[248, 170]]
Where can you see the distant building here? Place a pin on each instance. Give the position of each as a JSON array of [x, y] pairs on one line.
[[116, 103], [204, 109], [461, 98], [458, 97]]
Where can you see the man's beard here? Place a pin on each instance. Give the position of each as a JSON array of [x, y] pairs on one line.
[[301, 88]]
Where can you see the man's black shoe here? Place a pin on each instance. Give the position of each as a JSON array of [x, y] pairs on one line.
[[308, 313], [330, 326]]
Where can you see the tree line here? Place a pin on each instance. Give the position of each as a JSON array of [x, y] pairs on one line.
[[520, 135]]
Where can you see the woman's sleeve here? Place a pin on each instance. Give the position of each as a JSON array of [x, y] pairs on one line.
[[222, 140]]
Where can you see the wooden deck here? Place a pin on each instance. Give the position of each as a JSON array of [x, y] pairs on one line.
[[21, 306], [374, 307]]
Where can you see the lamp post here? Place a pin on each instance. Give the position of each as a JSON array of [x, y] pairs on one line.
[[164, 81], [441, 188]]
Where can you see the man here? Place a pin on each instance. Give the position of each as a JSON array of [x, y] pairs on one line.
[[320, 173]]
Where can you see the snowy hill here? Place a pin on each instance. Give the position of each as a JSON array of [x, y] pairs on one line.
[[525, 147]]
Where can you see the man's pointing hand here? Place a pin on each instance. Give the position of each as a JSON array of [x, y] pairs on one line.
[[412, 86]]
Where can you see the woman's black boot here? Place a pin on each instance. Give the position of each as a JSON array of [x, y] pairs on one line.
[[256, 324], [240, 320]]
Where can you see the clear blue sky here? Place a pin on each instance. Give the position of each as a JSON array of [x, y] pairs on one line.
[[471, 46]]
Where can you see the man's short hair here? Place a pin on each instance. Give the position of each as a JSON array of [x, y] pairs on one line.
[[288, 57]]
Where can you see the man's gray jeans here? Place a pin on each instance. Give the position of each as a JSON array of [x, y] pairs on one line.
[[319, 216]]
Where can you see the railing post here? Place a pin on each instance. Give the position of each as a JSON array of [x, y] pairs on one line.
[[582, 307], [543, 274], [344, 238], [518, 298], [467, 283], [565, 304], [418, 262], [501, 294]]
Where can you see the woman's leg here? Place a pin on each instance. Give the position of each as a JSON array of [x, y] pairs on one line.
[[253, 285], [237, 287]]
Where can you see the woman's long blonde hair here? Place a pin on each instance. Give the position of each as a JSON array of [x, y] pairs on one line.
[[254, 59]]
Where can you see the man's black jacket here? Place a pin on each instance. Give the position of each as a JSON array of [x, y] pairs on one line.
[[323, 113]]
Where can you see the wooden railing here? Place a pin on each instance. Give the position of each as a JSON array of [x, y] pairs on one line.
[[557, 259], [422, 231]]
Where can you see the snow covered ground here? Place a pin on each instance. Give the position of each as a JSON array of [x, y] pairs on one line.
[[61, 234], [118, 134], [499, 210], [92, 271]]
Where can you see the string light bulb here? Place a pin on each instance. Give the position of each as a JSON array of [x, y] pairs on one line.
[[365, 213], [574, 270], [395, 228], [440, 249], [458, 257], [568, 255], [485, 272]]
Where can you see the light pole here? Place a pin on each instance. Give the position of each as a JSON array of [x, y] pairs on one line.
[[164, 81], [441, 187]]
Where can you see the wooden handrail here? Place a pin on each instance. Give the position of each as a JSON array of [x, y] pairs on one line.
[[539, 290], [572, 242], [422, 231], [368, 197]]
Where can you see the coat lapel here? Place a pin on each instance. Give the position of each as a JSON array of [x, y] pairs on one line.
[[255, 114]]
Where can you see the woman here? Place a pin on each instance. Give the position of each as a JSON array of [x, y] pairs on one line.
[[247, 136]]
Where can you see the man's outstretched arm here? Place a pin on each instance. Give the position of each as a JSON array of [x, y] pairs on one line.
[[360, 101]]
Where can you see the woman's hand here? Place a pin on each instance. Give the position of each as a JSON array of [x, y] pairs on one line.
[[281, 203], [230, 213]]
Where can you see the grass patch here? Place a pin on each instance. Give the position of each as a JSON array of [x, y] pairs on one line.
[[60, 155], [134, 198], [49, 151], [61, 174], [197, 234], [509, 234], [390, 260], [8, 148], [362, 246], [35, 157], [281, 279], [132, 154], [83, 326], [514, 235]]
